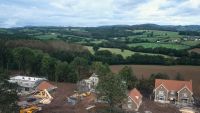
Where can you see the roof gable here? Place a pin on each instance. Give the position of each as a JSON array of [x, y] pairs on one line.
[[135, 95], [174, 85]]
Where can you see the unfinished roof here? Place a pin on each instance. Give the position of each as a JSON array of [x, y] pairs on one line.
[[174, 85], [26, 81], [45, 85], [135, 95], [26, 78]]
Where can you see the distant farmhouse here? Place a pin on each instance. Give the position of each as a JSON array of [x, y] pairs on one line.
[[173, 91], [29, 85], [134, 101]]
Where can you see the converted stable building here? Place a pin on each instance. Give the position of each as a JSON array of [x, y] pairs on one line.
[[174, 91]]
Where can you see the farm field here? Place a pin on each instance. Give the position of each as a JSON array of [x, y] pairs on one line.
[[154, 45], [187, 72], [197, 50], [124, 53]]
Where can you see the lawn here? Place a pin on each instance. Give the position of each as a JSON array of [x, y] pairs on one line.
[[154, 45]]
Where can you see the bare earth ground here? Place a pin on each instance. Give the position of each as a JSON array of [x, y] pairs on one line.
[[154, 107], [59, 103], [187, 72]]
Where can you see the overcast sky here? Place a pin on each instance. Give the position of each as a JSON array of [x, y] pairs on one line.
[[16, 13]]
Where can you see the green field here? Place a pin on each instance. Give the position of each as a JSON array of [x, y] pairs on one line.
[[47, 36], [160, 33], [154, 45], [125, 53], [191, 43]]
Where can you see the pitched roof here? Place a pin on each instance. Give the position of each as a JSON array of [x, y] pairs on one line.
[[45, 85], [175, 85], [135, 95]]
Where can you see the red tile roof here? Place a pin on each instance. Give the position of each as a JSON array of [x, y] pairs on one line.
[[135, 96], [45, 85], [175, 85]]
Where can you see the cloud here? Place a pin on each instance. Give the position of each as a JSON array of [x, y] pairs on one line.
[[15, 13]]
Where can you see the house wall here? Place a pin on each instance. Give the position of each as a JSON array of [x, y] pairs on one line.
[[184, 93], [130, 105], [157, 92]]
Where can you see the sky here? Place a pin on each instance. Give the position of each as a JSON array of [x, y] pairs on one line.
[[18, 13]]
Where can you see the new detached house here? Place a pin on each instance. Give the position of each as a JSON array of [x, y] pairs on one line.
[[173, 91], [134, 100]]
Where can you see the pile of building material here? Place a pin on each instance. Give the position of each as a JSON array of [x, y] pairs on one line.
[[44, 95], [34, 92], [187, 110], [76, 97]]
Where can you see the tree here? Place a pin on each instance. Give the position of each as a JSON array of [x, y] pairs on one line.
[[61, 72], [48, 67], [24, 58], [8, 94], [81, 67], [99, 68], [95, 47], [127, 75], [112, 89], [3, 55]]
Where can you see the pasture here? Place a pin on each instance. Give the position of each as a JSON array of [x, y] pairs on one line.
[[124, 53], [154, 45]]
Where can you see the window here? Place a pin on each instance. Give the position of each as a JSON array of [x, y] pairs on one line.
[[184, 95], [129, 106], [26, 89], [161, 93]]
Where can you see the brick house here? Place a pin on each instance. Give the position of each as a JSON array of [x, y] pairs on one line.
[[173, 91], [134, 101]]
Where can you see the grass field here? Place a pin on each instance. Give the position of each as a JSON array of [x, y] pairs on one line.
[[125, 53], [47, 36], [160, 33], [187, 72], [154, 45], [191, 43]]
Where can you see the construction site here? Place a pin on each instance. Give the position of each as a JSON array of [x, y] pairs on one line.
[[42, 96], [38, 95]]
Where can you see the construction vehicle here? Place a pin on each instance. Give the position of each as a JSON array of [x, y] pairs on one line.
[[45, 96], [76, 97], [85, 94], [31, 109]]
